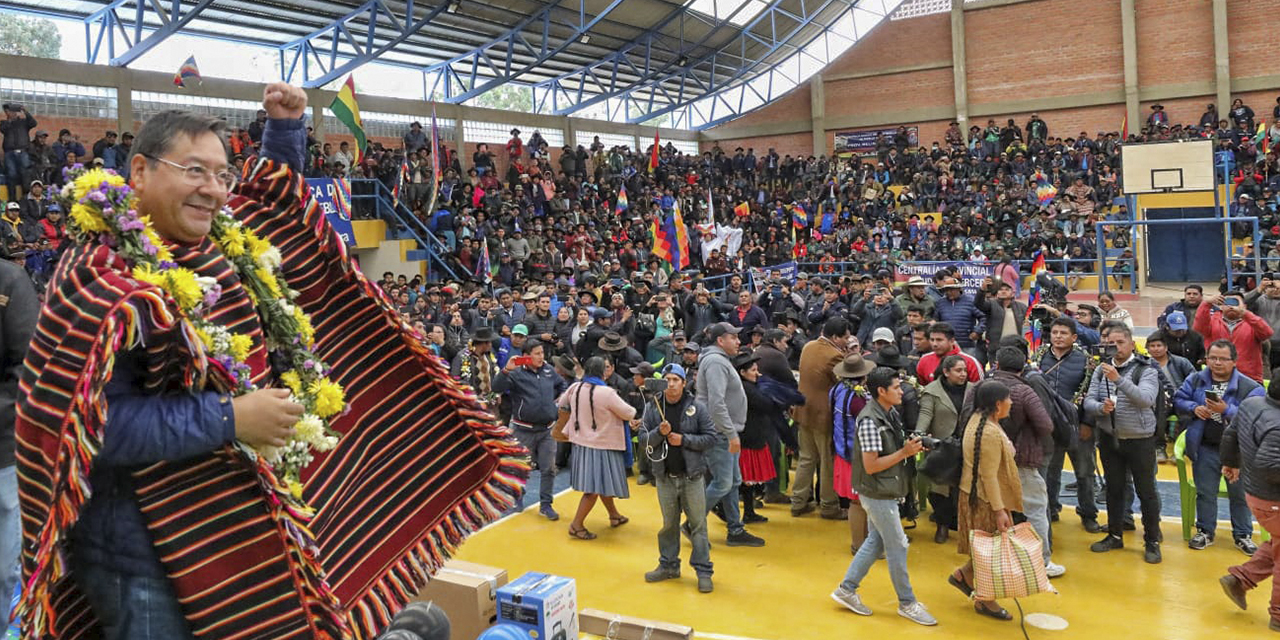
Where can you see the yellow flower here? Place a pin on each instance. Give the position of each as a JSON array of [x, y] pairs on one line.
[[257, 246], [269, 281], [329, 397], [205, 338], [144, 273], [309, 429], [305, 330], [291, 379], [92, 179], [240, 346], [233, 242], [87, 218], [183, 288], [295, 488]]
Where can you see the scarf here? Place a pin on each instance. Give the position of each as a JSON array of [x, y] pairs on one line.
[[438, 465]]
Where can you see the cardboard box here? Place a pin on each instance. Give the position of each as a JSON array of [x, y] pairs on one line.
[[545, 606], [613, 626], [468, 592]]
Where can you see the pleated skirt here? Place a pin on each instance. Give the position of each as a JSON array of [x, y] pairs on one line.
[[599, 471]]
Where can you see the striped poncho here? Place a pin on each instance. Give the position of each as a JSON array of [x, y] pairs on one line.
[[419, 467]]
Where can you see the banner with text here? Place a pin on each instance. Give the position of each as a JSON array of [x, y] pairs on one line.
[[760, 276], [971, 273], [333, 195], [865, 141]]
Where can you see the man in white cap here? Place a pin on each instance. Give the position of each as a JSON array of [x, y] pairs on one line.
[[880, 338], [916, 294]]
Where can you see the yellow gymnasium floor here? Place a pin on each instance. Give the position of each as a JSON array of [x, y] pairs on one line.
[[781, 591]]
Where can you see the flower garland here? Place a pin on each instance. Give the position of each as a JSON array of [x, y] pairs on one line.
[[103, 209]]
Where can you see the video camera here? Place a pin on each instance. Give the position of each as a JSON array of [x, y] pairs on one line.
[[1104, 351], [929, 442]]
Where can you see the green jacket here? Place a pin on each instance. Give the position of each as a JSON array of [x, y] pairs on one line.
[[890, 484]]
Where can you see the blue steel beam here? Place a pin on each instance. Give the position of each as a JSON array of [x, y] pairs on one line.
[[568, 92], [740, 57], [130, 31], [463, 77], [331, 52]]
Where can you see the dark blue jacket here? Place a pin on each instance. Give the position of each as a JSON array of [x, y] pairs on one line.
[[962, 315], [141, 429], [1191, 395], [533, 393]]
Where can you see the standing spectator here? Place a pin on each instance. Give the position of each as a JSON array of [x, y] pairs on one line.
[[16, 129], [1112, 311], [940, 405], [1068, 369], [1121, 399], [1192, 296], [747, 316], [415, 139], [476, 366], [720, 391], [989, 486], [942, 341], [1209, 400], [1251, 457], [256, 127], [880, 478], [1176, 369], [1226, 318], [876, 310], [957, 309], [1182, 340], [680, 426], [100, 147], [597, 428], [17, 324], [1005, 315], [123, 153], [817, 375], [342, 159], [1265, 302], [533, 388], [1241, 116]]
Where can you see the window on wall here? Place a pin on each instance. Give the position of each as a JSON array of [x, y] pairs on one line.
[[585, 138], [499, 133], [390, 125], [917, 8], [684, 146], [66, 100], [238, 113]]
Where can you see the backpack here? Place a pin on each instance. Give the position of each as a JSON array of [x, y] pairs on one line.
[[1164, 392], [1063, 413]]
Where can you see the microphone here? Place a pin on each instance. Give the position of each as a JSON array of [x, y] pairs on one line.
[[419, 621]]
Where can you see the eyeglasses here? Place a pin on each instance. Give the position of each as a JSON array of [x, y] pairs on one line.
[[1219, 359], [196, 175]]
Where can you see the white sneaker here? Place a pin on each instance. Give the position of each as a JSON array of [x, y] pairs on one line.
[[851, 601], [1054, 570], [916, 613]]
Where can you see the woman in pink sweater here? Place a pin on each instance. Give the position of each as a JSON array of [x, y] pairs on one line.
[[597, 427]]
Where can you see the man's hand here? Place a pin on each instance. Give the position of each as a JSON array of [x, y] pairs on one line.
[[735, 445], [1086, 432], [1232, 475], [1217, 406], [674, 439], [1203, 412], [283, 101], [510, 366], [1108, 406], [912, 447], [664, 427], [265, 418], [1110, 372]]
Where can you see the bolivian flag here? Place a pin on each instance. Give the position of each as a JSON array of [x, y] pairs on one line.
[[347, 112]]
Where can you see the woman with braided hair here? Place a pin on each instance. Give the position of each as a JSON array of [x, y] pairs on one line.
[[989, 486], [597, 427]]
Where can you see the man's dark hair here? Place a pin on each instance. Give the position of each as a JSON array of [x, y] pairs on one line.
[[157, 135], [1157, 336], [1011, 359], [1015, 341], [923, 326], [880, 378], [1064, 323], [835, 327], [918, 309], [1111, 326], [1223, 344], [1193, 286], [530, 344], [943, 328], [1004, 285], [388, 273]]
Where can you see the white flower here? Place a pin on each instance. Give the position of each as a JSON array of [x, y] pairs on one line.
[[271, 258], [309, 429]]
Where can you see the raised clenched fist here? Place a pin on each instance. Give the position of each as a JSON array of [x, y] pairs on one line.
[[284, 101]]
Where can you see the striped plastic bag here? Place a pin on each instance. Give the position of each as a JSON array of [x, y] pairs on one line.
[[1009, 564]]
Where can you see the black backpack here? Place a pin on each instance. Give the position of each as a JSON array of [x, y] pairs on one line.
[[1063, 413]]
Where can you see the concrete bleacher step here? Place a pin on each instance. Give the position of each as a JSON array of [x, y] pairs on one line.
[[416, 254]]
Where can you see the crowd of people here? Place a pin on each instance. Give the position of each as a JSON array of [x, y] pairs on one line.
[[709, 385]]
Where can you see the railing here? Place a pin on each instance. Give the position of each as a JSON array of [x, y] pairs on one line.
[[369, 192]]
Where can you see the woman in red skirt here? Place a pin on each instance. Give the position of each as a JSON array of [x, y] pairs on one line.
[[764, 415]]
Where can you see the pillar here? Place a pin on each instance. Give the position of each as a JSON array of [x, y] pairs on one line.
[[124, 102], [818, 110], [959, 70], [1129, 40], [1221, 58]]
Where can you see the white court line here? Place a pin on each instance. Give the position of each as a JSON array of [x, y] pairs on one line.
[[719, 636]]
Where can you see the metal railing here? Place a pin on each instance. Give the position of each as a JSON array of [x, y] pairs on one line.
[[370, 192]]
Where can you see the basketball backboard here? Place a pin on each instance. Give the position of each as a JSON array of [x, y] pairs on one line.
[[1161, 167]]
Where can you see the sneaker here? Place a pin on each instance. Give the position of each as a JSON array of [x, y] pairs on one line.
[[1234, 590], [916, 613], [1054, 570], [719, 511], [1129, 525], [644, 478], [1246, 546], [796, 512], [662, 573], [744, 539], [776, 497], [547, 512], [1274, 625], [1200, 540], [1152, 553], [1071, 486], [1107, 544], [851, 601], [704, 584], [838, 514], [1054, 516], [1091, 525], [754, 518]]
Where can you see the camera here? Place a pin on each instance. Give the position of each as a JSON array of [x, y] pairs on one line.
[[1042, 314], [929, 442], [1104, 351], [655, 385]]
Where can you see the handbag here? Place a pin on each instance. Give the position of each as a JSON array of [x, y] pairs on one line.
[[1008, 564], [944, 463]]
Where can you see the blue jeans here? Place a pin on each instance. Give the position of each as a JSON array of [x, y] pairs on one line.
[[132, 607], [16, 164], [542, 449], [726, 477], [884, 534], [677, 495], [1206, 468], [1082, 463], [10, 535]]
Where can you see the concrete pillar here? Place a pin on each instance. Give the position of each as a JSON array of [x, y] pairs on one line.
[[570, 132], [315, 100], [124, 102], [818, 111], [1221, 58], [959, 70], [1129, 39]]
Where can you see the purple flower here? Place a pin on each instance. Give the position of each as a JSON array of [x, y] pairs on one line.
[[107, 239], [97, 197], [309, 364], [168, 264]]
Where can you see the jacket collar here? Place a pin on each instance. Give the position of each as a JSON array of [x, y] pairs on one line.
[[1206, 377]]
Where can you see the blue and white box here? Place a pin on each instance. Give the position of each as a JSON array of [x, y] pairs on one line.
[[545, 606]]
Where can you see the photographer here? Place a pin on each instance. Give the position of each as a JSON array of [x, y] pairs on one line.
[[1068, 368], [16, 129], [1005, 316], [876, 310], [1122, 399], [879, 474], [1265, 301], [1209, 400], [676, 430], [1225, 318], [533, 386]]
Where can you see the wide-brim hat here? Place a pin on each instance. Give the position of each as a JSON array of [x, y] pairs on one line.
[[916, 281], [612, 342], [890, 357], [952, 285], [854, 366], [744, 360], [483, 334]]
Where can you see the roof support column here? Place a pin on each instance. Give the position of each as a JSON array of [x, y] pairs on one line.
[[1221, 57], [958, 69], [1129, 40], [317, 114], [818, 112], [124, 102]]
